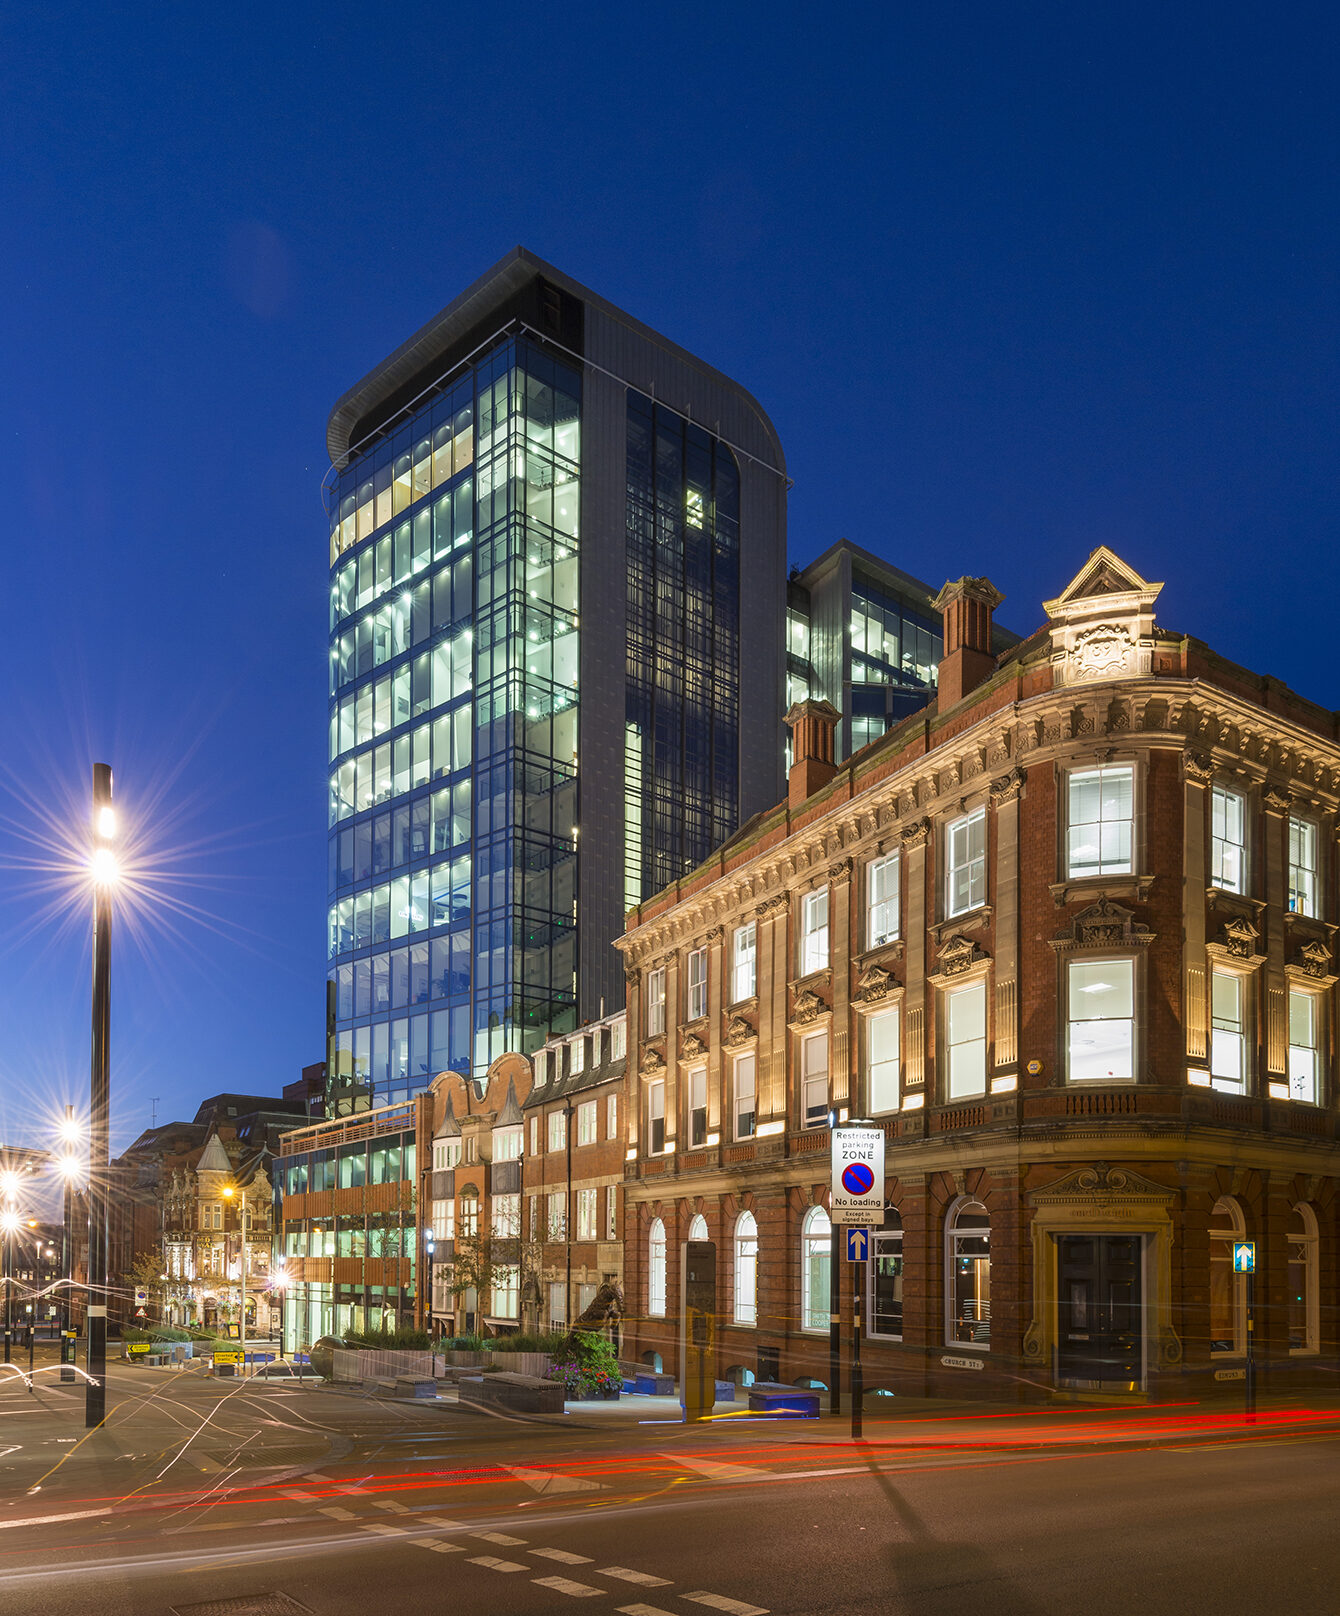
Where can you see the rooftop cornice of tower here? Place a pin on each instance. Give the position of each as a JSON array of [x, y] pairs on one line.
[[469, 312]]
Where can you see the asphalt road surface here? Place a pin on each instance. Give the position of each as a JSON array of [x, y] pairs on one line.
[[205, 1498]]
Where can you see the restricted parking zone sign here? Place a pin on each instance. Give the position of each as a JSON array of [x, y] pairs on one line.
[[857, 1195]]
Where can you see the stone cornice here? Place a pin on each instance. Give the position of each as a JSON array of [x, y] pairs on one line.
[[1217, 730]]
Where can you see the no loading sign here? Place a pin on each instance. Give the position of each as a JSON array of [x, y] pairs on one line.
[[857, 1192]]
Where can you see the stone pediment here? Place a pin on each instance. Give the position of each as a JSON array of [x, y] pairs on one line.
[[1102, 623], [1102, 1185], [873, 984], [957, 956], [652, 1059], [1238, 943], [738, 1031], [808, 1007], [692, 1046], [1103, 925]]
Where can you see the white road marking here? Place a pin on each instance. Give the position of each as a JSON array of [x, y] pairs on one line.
[[438, 1545], [336, 1513], [444, 1523], [643, 1610], [625, 1575], [389, 1504], [714, 1468], [564, 1556], [384, 1528], [296, 1492], [501, 1537], [544, 1481], [496, 1565], [565, 1585], [733, 1607]]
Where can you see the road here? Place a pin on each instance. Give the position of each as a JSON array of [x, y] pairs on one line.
[[205, 1498]]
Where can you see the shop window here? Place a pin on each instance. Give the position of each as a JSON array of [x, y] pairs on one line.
[[1304, 1308], [656, 1270], [746, 1269], [1228, 1291], [968, 1287], [816, 1249]]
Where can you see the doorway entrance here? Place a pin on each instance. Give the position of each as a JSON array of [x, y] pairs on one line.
[[1100, 1310]]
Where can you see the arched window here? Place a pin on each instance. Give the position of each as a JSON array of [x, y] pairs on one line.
[[884, 1290], [968, 1275], [815, 1252], [1228, 1291], [746, 1269], [656, 1270], [698, 1228], [1304, 1310]]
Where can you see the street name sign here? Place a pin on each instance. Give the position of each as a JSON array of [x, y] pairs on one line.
[[857, 1192], [1244, 1257], [858, 1245]]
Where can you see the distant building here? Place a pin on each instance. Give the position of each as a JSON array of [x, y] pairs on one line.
[[557, 583], [867, 637]]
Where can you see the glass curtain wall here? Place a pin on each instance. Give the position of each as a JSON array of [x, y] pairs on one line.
[[681, 769], [453, 738]]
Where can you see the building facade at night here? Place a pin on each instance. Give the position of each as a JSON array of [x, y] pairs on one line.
[[1067, 937], [546, 698]]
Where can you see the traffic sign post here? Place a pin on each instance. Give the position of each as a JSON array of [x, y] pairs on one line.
[[856, 1200], [1244, 1262]]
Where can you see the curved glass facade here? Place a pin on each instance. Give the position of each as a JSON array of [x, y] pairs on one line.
[[453, 729]]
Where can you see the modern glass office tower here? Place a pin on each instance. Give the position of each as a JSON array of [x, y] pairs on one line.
[[550, 693], [867, 637]]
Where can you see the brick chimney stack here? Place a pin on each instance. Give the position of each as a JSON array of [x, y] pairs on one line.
[[812, 725], [967, 661]]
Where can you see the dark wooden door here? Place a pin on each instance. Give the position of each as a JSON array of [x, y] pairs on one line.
[[1100, 1307]]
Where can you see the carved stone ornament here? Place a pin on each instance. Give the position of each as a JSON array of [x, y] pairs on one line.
[[838, 870], [773, 906], [715, 935], [808, 1007], [959, 953], [692, 1046], [1102, 925], [1198, 767], [652, 1059], [1008, 785], [738, 1031], [1240, 939], [873, 984], [1314, 959], [916, 833], [632, 978], [1275, 801]]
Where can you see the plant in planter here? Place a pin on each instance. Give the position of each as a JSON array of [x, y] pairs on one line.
[[586, 1365]]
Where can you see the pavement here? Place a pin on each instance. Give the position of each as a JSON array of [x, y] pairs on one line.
[[285, 1499]]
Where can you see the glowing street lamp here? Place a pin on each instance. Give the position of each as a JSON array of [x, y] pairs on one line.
[[229, 1190], [103, 867]]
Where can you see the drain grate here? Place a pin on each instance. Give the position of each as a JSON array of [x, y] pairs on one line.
[[247, 1605]]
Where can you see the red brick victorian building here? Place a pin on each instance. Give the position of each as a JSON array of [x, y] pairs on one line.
[[1067, 934]]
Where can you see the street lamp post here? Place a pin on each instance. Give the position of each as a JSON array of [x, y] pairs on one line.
[[229, 1191], [104, 874], [68, 1167]]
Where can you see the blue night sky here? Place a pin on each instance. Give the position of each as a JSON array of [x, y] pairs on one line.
[[1011, 281]]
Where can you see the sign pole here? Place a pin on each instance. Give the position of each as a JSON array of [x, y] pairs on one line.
[[857, 1380], [1250, 1382]]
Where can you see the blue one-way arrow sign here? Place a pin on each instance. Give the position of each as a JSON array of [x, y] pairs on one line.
[[858, 1244]]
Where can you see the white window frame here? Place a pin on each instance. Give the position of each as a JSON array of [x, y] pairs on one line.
[[586, 1122], [882, 1100], [587, 1209], [1304, 870], [965, 855], [611, 1212], [656, 1266], [815, 1078], [1125, 964], [698, 1227], [1228, 858], [556, 1216], [1305, 1066], [816, 1241], [656, 1002], [814, 932], [883, 895], [577, 1055], [696, 976], [1230, 1048], [611, 1116], [618, 1040], [745, 1251], [557, 1129], [655, 1114], [957, 1073], [745, 1119], [1103, 864], [744, 963], [695, 1087]]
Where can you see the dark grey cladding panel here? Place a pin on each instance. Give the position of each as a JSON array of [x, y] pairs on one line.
[[601, 694], [505, 1178], [443, 1186]]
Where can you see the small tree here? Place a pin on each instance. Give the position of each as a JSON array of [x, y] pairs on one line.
[[478, 1257], [146, 1274]]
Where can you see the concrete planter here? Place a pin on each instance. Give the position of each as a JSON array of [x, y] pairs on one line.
[[460, 1359], [537, 1364]]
